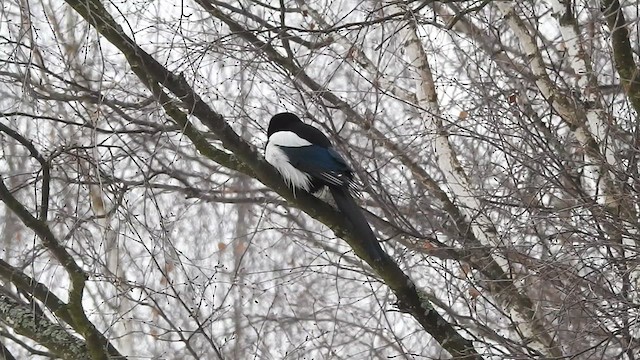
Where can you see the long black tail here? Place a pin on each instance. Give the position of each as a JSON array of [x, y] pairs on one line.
[[350, 208]]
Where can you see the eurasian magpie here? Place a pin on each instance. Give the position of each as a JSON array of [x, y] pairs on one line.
[[304, 157]]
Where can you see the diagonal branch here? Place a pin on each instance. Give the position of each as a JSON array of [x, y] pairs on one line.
[[520, 307], [43, 294], [78, 277], [246, 159], [21, 317]]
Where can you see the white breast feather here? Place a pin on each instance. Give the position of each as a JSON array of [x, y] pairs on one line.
[[276, 157], [287, 138]]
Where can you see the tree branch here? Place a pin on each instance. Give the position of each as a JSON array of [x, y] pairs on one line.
[[25, 322], [44, 164], [78, 277], [246, 159], [622, 51]]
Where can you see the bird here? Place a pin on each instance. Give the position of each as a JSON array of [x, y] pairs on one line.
[[307, 161]]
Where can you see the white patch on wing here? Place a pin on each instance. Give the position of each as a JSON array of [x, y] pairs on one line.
[[292, 176], [287, 138]]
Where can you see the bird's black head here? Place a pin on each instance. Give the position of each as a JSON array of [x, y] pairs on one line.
[[282, 121]]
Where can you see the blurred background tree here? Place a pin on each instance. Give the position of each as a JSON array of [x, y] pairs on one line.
[[497, 143]]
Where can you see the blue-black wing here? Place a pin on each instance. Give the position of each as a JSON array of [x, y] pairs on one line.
[[327, 166], [322, 163]]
